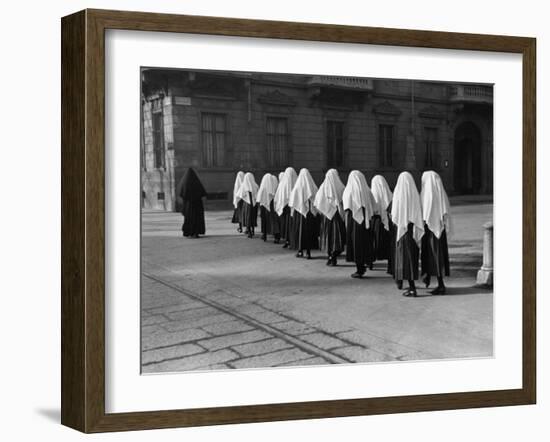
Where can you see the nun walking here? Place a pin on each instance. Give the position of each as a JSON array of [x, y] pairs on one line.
[[248, 193], [306, 228], [328, 201], [436, 212], [286, 184], [191, 192], [381, 228], [359, 204], [406, 214], [269, 220], [238, 203]]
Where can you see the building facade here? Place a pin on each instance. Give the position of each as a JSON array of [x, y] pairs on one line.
[[222, 122]]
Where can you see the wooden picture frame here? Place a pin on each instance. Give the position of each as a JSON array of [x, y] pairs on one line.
[[83, 220]]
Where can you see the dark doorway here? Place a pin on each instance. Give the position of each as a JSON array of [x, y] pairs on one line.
[[467, 159]]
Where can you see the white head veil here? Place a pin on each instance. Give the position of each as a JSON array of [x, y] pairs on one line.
[[329, 197], [382, 194], [236, 187], [406, 207], [357, 195], [248, 186], [267, 190], [303, 194], [286, 183], [436, 210], [281, 175]]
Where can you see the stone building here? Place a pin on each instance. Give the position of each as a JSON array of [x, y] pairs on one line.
[[222, 122]]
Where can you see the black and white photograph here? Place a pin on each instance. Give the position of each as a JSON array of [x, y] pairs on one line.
[[292, 220]]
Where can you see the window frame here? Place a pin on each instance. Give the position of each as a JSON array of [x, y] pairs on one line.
[[344, 125], [203, 132]]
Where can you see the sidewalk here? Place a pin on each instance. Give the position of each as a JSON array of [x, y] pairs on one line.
[[224, 301]]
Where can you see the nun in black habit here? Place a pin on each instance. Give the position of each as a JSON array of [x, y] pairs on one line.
[[406, 214], [191, 192], [381, 224], [306, 221], [280, 204], [238, 203], [359, 205], [269, 220], [248, 193], [328, 201], [436, 212]]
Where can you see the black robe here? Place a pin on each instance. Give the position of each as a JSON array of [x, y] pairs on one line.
[[269, 221], [406, 257], [191, 191], [286, 224], [381, 238], [392, 240], [434, 254], [305, 234], [333, 234], [359, 242], [249, 213], [238, 213]]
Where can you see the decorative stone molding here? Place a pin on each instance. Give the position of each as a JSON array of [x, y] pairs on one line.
[[387, 108], [431, 112], [277, 98]]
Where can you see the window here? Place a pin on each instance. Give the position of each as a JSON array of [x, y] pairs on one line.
[[158, 139], [335, 144], [430, 136], [385, 147], [277, 141], [213, 139]]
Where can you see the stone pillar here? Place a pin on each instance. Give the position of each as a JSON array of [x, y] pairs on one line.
[[485, 273]]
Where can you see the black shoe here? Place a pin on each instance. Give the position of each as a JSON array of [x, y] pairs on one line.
[[357, 275], [399, 285], [438, 291], [308, 256], [409, 293], [329, 262], [300, 255], [277, 241], [240, 230], [264, 238], [285, 246], [426, 280], [334, 261]]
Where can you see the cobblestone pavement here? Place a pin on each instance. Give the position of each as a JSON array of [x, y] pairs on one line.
[[225, 302]]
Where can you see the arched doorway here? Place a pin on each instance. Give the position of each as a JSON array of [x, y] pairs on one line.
[[467, 159]]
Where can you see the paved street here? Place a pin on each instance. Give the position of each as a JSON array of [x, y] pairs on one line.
[[225, 301]]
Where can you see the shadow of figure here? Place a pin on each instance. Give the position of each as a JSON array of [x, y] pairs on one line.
[[453, 291]]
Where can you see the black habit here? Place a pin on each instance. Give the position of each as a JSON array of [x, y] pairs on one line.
[[191, 191], [434, 254], [359, 242]]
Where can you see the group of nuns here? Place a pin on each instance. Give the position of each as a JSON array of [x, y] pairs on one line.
[[368, 223]]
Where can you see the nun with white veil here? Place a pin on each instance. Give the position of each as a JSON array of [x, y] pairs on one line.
[[286, 184], [406, 214], [237, 202], [306, 228], [436, 212], [359, 204], [248, 193], [269, 220], [328, 201], [381, 224]]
